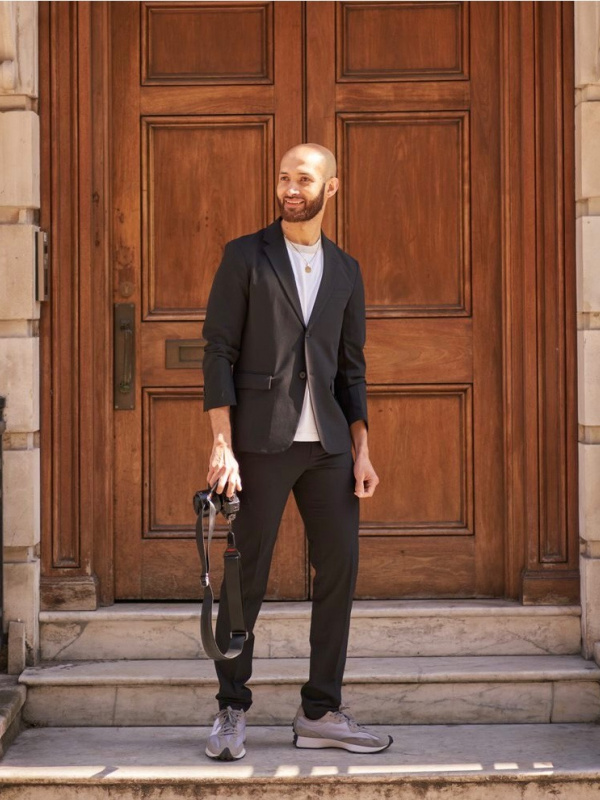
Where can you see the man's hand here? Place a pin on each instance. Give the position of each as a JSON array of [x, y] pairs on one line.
[[365, 476], [223, 468]]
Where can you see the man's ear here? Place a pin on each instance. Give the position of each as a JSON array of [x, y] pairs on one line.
[[332, 186]]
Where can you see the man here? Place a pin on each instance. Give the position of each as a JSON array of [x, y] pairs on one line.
[[284, 377]]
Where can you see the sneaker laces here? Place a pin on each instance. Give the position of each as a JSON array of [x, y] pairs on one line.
[[344, 715], [229, 719]]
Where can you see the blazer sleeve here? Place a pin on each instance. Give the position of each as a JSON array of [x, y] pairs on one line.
[[223, 326], [350, 384]]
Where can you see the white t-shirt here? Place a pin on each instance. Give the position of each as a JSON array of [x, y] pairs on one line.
[[307, 284]]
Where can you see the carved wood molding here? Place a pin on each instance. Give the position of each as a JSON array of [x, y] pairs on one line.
[[539, 274], [69, 593], [74, 329]]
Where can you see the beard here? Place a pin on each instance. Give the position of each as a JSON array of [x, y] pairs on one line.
[[309, 210]]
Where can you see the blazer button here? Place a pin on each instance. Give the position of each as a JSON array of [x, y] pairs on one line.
[[302, 375]]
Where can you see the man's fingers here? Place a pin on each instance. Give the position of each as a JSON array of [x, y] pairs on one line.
[[359, 488], [371, 485], [229, 478], [232, 483], [223, 481], [365, 485], [223, 471], [214, 473]]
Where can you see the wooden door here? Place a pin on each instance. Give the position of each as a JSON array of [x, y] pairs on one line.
[[407, 94], [206, 98], [197, 134]]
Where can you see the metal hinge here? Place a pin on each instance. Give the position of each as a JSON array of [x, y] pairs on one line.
[[42, 266]]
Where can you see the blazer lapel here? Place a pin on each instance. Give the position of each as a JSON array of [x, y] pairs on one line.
[[330, 270], [278, 256]]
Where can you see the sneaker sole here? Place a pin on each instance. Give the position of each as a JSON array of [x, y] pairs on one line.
[[316, 744], [224, 755]]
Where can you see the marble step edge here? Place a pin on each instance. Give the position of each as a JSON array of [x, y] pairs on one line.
[[12, 701], [241, 785], [399, 670], [299, 610]]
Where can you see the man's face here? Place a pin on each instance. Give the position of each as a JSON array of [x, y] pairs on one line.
[[300, 189]]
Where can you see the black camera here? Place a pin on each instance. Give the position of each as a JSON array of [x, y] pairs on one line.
[[228, 506]]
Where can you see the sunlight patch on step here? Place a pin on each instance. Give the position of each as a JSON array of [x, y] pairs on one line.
[[287, 771], [323, 771], [414, 768]]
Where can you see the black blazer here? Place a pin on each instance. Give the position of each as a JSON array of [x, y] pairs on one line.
[[259, 353]]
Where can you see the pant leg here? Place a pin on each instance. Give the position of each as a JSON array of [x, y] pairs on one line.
[[330, 511], [267, 480]]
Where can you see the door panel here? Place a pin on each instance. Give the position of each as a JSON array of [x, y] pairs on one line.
[[402, 41], [436, 495], [416, 132], [236, 43], [419, 171], [187, 210], [197, 131]]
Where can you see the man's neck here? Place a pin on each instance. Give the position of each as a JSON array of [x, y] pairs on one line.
[[307, 232]]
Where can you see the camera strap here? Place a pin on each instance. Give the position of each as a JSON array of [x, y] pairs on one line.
[[233, 584]]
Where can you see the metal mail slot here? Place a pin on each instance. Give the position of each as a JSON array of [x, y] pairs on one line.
[[184, 353]]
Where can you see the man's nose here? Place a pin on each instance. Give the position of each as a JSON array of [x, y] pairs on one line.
[[293, 189]]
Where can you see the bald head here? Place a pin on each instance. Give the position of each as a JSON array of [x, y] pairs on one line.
[[319, 157], [306, 182]]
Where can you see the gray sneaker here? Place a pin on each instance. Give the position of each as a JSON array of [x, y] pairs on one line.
[[226, 741], [337, 729]]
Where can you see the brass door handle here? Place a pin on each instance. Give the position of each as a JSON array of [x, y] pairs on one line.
[[124, 356], [127, 374]]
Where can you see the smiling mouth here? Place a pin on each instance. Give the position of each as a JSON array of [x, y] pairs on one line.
[[293, 202]]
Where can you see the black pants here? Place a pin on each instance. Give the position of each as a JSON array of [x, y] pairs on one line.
[[323, 485]]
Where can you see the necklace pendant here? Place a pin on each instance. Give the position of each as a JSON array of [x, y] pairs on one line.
[[307, 268]]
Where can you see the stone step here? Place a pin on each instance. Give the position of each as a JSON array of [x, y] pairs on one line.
[[478, 762], [12, 700], [379, 629], [442, 690]]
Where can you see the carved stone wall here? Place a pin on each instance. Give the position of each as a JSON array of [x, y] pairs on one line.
[[19, 314], [587, 144]]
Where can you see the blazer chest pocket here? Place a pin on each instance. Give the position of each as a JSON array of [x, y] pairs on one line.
[[252, 380]]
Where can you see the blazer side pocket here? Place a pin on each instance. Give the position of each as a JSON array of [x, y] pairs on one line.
[[252, 380]]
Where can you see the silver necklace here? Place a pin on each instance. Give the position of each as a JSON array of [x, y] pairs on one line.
[[307, 264]]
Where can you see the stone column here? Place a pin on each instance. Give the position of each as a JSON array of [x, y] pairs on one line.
[[587, 168], [19, 314]]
